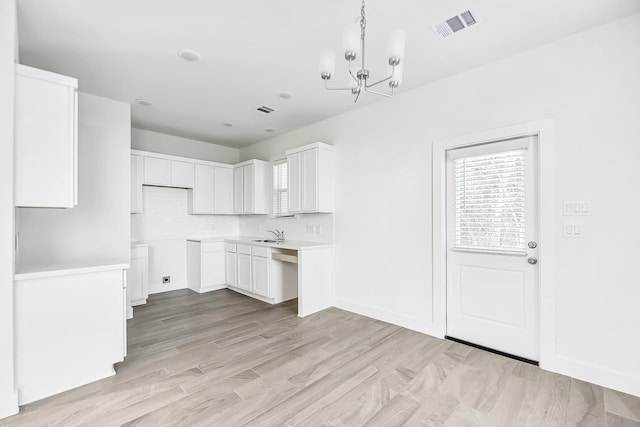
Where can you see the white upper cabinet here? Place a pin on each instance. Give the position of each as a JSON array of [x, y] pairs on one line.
[[212, 190], [46, 142], [251, 187], [201, 200], [168, 173], [311, 178], [181, 174], [157, 171], [223, 190]]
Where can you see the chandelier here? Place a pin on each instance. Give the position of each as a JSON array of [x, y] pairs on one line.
[[353, 45]]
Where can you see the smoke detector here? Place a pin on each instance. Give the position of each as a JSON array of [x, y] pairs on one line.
[[455, 23]]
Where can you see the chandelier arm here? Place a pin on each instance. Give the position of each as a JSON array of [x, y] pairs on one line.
[[379, 81], [379, 93], [336, 88]]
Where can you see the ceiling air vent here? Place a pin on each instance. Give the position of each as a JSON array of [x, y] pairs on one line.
[[264, 109], [455, 24]]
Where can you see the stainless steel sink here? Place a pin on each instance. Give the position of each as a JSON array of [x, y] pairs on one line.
[[265, 241]]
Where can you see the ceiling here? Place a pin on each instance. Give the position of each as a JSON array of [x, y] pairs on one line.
[[254, 49]]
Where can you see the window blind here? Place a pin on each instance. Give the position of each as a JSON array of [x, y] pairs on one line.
[[280, 192], [489, 205]]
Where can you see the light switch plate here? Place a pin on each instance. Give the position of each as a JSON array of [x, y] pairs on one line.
[[572, 230], [576, 208]]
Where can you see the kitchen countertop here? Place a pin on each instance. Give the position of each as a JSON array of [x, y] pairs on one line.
[[296, 245], [30, 272]]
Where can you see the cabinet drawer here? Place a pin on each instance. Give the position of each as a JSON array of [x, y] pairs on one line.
[[260, 251], [244, 249], [230, 247], [213, 247]]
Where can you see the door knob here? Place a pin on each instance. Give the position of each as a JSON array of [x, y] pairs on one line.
[[532, 245], [532, 260]]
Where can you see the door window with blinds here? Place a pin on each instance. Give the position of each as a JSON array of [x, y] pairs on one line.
[[280, 191], [487, 198]]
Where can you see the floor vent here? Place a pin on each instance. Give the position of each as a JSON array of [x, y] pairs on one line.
[[264, 109], [455, 24]]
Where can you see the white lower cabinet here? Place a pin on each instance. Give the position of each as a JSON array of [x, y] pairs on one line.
[[205, 266], [138, 277], [244, 271], [230, 264], [70, 329], [260, 268]]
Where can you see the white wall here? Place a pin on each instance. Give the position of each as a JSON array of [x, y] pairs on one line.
[[8, 396], [177, 146], [165, 227], [98, 229], [588, 84]]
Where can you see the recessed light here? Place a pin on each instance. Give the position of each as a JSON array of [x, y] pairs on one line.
[[270, 130], [144, 102], [189, 55], [285, 95], [227, 124]]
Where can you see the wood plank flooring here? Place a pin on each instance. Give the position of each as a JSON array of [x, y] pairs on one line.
[[223, 359]]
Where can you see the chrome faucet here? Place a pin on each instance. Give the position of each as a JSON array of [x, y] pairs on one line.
[[279, 234]]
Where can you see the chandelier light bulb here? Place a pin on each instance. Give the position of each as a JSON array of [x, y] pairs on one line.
[[396, 45], [351, 41], [327, 63]]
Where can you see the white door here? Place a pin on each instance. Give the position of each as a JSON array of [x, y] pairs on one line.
[[492, 271]]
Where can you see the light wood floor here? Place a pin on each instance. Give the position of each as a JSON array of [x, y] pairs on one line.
[[222, 359]]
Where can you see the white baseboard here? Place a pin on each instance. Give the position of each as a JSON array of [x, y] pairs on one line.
[[129, 312], [8, 404], [408, 322], [209, 289], [595, 374], [158, 288], [249, 294]]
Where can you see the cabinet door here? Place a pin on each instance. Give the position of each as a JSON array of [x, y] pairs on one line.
[[202, 197], [138, 277], [309, 159], [223, 191], [260, 268], [293, 182], [157, 171], [230, 269], [136, 184], [238, 186], [45, 140], [213, 269], [181, 174], [244, 271], [248, 193]]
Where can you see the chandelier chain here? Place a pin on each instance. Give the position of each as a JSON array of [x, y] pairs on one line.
[[363, 20]]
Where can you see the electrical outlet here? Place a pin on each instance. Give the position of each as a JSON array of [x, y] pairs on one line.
[[166, 279]]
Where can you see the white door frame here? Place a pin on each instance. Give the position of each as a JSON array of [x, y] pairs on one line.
[[544, 130]]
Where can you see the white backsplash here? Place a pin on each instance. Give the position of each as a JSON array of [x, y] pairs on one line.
[[165, 217], [305, 227]]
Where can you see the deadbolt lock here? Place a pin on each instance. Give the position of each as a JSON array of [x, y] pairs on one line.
[[532, 245]]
